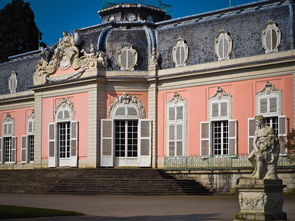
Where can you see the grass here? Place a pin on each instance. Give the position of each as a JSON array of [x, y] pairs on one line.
[[27, 212]]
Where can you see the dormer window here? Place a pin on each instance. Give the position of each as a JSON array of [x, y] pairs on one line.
[[12, 82], [223, 46], [180, 53], [127, 57], [271, 37]]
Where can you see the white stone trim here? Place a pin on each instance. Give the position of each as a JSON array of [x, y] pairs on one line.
[[223, 38], [220, 97], [123, 50], [180, 43], [271, 26]]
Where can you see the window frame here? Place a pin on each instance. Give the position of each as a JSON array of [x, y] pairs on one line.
[[180, 43], [175, 102], [124, 51], [225, 36], [271, 26]]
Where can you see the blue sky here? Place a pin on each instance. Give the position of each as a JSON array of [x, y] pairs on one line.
[[55, 16]]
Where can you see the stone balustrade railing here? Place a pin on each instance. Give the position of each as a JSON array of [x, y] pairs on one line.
[[211, 163]]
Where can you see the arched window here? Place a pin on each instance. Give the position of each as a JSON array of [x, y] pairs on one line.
[[63, 136], [8, 141], [176, 126], [269, 105], [127, 57], [271, 37], [223, 46], [180, 53], [219, 134], [28, 149], [126, 136]]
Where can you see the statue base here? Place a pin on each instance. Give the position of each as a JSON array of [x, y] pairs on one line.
[[260, 199]]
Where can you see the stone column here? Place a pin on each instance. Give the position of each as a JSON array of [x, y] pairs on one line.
[[38, 132], [260, 199]]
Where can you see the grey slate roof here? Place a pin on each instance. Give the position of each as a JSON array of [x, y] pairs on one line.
[[24, 67]]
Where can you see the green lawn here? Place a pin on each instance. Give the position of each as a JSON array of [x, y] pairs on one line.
[[25, 212]]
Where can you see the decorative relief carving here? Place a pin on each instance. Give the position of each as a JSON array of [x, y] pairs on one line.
[[65, 103], [268, 89], [127, 99], [252, 201], [66, 55], [223, 45], [176, 98], [8, 118], [32, 116], [153, 60], [271, 37], [220, 93], [180, 52]]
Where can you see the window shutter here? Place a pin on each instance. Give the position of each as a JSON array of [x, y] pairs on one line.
[[232, 137], [13, 150], [263, 105], [179, 113], [144, 141], [25, 149], [251, 133], [205, 138], [223, 109], [106, 145], [215, 110], [52, 153], [172, 113], [1, 150], [282, 132], [74, 143], [273, 105], [5, 129]]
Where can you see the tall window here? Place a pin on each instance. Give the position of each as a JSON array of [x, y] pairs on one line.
[[176, 126], [126, 136], [28, 140], [268, 104], [219, 134], [8, 141], [63, 136]]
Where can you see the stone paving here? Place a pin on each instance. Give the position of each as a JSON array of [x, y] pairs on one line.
[[137, 208]]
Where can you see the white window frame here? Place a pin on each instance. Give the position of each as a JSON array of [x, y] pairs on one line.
[[64, 106], [217, 99], [26, 144], [176, 101], [223, 36], [8, 122], [124, 51], [12, 82], [271, 26], [180, 42], [268, 96]]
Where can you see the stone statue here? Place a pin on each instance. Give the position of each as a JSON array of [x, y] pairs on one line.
[[264, 156]]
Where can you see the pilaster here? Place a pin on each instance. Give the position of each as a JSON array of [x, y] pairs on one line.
[[38, 132]]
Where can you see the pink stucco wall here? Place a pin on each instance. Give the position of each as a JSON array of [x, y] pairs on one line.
[[243, 107], [80, 102], [143, 96], [20, 116]]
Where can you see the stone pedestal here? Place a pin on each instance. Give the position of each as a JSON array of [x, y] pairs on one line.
[[260, 199]]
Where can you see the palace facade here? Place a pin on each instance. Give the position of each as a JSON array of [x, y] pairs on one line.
[[144, 90]]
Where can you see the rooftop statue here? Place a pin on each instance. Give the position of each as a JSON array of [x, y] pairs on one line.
[[264, 156]]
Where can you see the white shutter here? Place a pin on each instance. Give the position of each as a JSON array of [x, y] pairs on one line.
[[205, 138], [263, 106], [1, 150], [52, 150], [25, 158], [74, 143], [13, 150], [282, 132], [251, 133], [106, 145], [223, 109], [144, 143], [232, 137], [215, 109]]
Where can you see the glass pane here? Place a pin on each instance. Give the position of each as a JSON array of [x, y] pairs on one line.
[[274, 39], [179, 111]]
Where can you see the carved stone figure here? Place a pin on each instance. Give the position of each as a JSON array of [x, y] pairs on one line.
[[153, 63], [66, 55], [265, 154]]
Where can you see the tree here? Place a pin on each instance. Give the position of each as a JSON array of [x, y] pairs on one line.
[[18, 30]]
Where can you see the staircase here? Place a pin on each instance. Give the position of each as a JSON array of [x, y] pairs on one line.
[[97, 181]]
